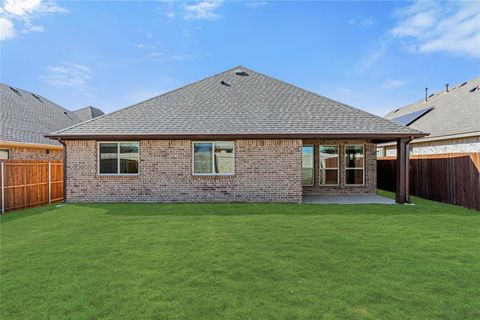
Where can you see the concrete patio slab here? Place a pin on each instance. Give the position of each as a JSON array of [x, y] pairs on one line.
[[347, 199]]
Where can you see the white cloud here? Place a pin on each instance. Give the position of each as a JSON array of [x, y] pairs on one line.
[[22, 12], [256, 4], [68, 75], [203, 10], [364, 23], [7, 30], [391, 84], [452, 27]]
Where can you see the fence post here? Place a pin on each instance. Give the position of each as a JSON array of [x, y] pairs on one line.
[[49, 183], [3, 191]]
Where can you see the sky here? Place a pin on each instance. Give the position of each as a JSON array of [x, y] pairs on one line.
[[376, 56]]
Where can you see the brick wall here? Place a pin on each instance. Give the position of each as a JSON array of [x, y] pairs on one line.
[[470, 144], [265, 170], [370, 185], [20, 153]]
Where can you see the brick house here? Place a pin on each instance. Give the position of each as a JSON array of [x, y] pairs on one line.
[[451, 116], [26, 117], [235, 136]]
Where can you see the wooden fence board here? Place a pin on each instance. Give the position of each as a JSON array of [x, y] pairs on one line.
[[451, 178], [26, 183]]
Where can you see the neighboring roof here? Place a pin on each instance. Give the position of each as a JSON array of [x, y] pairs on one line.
[[234, 104], [26, 117], [454, 112], [88, 113]]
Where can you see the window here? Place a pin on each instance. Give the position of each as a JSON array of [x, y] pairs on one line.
[[4, 154], [118, 158], [354, 165], [328, 161], [213, 158], [307, 165]]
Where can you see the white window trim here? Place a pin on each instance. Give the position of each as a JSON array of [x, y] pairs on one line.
[[313, 166], [337, 168], [118, 159], [362, 168], [213, 159], [8, 153]]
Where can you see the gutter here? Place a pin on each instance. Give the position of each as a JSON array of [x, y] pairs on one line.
[[126, 137]]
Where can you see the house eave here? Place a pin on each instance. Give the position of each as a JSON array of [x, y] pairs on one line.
[[377, 137]]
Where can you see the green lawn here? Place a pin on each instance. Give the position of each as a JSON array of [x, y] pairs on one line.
[[241, 261]]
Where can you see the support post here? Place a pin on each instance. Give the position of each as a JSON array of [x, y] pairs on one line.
[[402, 174], [3, 186], [49, 183]]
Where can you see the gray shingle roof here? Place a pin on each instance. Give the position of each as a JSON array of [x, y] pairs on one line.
[[232, 104], [26, 117], [88, 113], [455, 112]]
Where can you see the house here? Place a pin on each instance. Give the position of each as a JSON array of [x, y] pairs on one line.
[[26, 117], [235, 136], [451, 116]]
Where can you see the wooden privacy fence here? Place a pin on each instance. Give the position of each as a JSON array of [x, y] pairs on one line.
[[451, 177], [27, 183]]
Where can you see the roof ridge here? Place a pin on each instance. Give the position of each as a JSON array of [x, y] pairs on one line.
[[136, 104]]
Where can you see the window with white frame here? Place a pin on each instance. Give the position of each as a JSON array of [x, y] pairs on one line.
[[354, 165], [214, 158], [307, 166], [328, 161], [4, 154], [118, 158]]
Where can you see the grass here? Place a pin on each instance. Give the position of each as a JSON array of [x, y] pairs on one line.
[[241, 261]]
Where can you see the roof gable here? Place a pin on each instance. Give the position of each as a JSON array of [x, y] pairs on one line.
[[236, 103]]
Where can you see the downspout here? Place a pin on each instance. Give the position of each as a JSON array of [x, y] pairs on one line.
[[64, 170]]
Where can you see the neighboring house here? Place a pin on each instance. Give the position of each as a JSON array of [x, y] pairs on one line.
[[235, 136], [26, 117], [452, 117], [88, 113]]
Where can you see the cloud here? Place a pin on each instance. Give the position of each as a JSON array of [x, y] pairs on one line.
[[68, 75], [22, 12], [256, 4], [452, 27], [364, 23], [203, 10], [7, 29], [391, 84], [373, 55]]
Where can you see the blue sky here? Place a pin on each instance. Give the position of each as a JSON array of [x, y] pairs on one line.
[[373, 55]]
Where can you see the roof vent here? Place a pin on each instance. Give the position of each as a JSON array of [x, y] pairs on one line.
[[15, 90], [462, 84], [36, 97], [473, 89], [446, 87], [240, 72], [224, 83]]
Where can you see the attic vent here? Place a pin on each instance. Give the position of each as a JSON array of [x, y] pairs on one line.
[[462, 84], [15, 90], [65, 112], [37, 97], [224, 83], [473, 89], [431, 95], [240, 72], [396, 110]]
